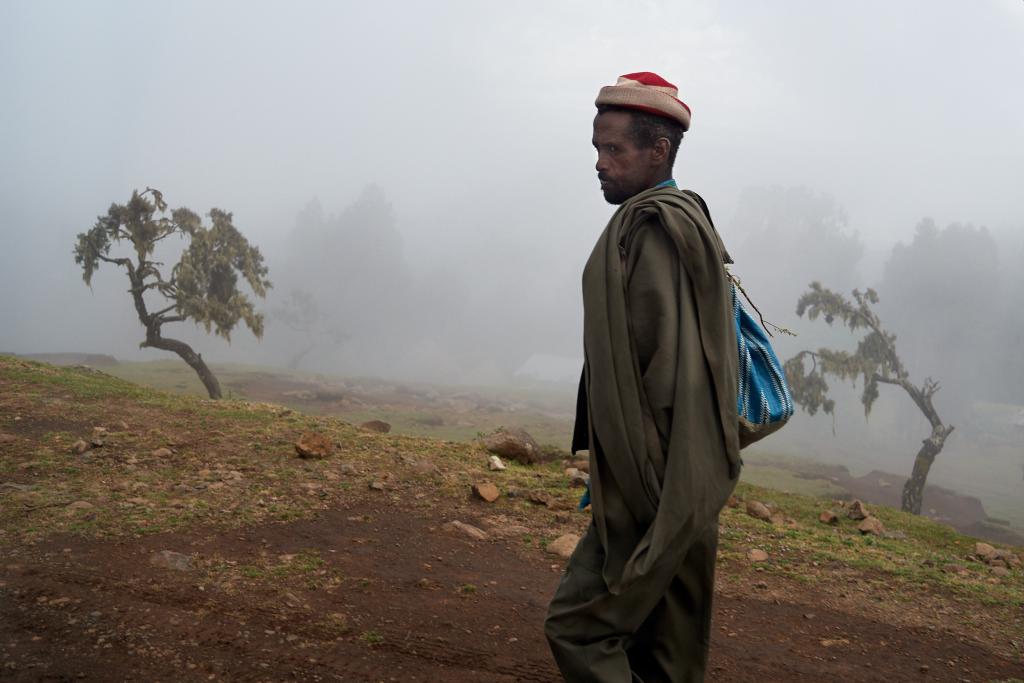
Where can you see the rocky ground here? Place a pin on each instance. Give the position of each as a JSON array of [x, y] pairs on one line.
[[189, 541]]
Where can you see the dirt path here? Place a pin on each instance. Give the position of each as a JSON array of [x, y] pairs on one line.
[[372, 592]]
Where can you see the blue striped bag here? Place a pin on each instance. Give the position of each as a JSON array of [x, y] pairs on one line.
[[763, 400]]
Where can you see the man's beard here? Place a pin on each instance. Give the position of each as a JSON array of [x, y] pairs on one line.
[[615, 195]]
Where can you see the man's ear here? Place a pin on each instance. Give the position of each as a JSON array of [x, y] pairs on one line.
[[660, 150]]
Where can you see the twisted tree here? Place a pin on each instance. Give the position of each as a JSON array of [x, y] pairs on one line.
[[202, 286], [874, 362]]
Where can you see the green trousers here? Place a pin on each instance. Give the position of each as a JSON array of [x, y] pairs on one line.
[[657, 632]]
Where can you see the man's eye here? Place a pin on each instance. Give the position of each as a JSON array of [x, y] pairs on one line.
[[613, 149]]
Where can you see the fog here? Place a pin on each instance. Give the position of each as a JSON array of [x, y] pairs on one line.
[[420, 178]]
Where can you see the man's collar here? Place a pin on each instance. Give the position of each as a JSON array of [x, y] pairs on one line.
[[666, 183]]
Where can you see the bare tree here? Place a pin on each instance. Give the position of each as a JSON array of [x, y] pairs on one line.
[[301, 313], [875, 362], [202, 286]]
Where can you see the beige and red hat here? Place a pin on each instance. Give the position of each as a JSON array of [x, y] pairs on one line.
[[647, 92]]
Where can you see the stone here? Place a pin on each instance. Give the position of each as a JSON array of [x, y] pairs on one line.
[[985, 552], [21, 488], [98, 437], [577, 479], [486, 491], [79, 447], [121, 426], [168, 559], [494, 464], [473, 532], [1000, 571], [162, 453], [424, 467], [313, 445], [581, 464], [759, 510], [7, 438], [828, 517], [378, 426], [757, 555], [348, 468], [871, 525], [80, 505], [733, 502], [376, 486], [513, 444], [540, 498], [858, 511], [954, 569], [563, 546]]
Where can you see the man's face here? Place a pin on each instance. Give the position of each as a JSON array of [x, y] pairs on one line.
[[623, 168]]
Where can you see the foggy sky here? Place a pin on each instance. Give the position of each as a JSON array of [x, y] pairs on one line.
[[474, 119]]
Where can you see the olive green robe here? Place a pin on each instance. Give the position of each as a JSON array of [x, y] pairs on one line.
[[660, 388]]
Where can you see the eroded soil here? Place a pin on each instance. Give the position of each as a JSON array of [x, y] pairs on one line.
[[371, 590]]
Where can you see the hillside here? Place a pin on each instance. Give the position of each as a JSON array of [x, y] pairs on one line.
[[193, 544]]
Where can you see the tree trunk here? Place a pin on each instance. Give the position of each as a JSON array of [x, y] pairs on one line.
[[913, 490], [194, 360], [293, 362]]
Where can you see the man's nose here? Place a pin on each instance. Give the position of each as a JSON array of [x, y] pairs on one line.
[[602, 164]]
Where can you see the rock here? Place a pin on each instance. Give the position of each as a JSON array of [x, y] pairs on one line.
[[954, 569], [162, 453], [466, 529], [80, 505], [1009, 558], [168, 559], [577, 479], [733, 502], [581, 464], [778, 519], [7, 438], [98, 436], [21, 488], [495, 464], [313, 445], [828, 517], [513, 444], [563, 546], [486, 491], [871, 525], [540, 498], [858, 511], [996, 563], [757, 555], [985, 552], [121, 426], [378, 426], [79, 447], [759, 510], [1000, 571], [348, 468], [424, 467], [376, 486]]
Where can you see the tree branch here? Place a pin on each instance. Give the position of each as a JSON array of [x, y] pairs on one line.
[[118, 261]]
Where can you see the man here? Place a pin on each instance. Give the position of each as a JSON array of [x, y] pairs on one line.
[[656, 410]]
